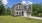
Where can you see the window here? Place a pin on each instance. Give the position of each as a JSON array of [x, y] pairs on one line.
[[18, 6], [17, 13], [29, 7]]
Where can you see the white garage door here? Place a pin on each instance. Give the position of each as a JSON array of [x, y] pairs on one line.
[[25, 14]]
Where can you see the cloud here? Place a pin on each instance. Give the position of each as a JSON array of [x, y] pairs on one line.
[[4, 2], [26, 2], [23, 2], [30, 2]]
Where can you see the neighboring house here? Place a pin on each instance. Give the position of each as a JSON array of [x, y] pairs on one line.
[[19, 10]]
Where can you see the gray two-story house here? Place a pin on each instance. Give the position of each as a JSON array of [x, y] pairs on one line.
[[19, 10]]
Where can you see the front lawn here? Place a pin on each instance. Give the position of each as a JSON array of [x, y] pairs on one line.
[[10, 19]]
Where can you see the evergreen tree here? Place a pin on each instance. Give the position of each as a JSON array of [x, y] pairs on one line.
[[8, 11], [2, 9]]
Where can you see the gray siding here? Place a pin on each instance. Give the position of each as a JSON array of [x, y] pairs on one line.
[[21, 7]]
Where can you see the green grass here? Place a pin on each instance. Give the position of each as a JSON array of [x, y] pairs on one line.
[[10, 19]]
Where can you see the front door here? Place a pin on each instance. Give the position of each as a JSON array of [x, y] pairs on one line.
[[22, 13]]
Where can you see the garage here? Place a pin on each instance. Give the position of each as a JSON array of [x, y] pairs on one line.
[[25, 14]]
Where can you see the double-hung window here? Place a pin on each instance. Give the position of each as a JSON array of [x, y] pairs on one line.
[[18, 6]]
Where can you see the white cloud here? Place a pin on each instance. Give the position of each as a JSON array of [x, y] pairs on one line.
[[23, 2], [26, 2], [4, 2], [30, 2]]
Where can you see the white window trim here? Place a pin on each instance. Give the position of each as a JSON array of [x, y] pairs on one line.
[[18, 12], [18, 6]]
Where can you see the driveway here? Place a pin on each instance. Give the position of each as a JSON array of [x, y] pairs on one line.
[[36, 17]]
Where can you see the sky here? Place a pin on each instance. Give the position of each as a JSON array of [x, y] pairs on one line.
[[10, 3]]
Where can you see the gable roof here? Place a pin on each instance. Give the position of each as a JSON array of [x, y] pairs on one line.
[[19, 4], [16, 4]]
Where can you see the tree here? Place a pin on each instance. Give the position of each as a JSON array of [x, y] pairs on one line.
[[8, 11], [2, 9], [36, 9]]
